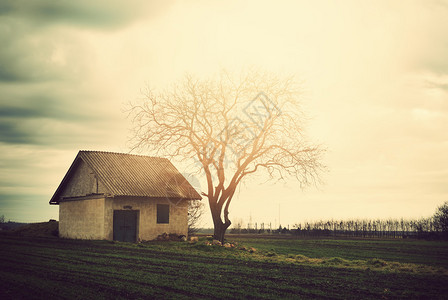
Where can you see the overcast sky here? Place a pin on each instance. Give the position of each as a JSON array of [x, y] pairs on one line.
[[374, 76]]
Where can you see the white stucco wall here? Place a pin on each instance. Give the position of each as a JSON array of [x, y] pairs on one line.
[[148, 229], [93, 218], [82, 219], [82, 182]]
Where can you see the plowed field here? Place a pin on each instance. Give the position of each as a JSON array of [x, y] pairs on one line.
[[52, 268]]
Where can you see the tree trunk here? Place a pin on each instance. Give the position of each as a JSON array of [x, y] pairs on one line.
[[219, 226], [219, 233]]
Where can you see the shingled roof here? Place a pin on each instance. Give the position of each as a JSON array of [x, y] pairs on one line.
[[133, 175]]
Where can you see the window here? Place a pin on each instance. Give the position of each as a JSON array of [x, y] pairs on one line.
[[163, 213]]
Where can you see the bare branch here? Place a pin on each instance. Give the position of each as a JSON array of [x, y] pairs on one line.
[[232, 128]]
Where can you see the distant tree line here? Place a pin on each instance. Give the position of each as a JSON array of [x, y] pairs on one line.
[[397, 228], [391, 228], [433, 227]]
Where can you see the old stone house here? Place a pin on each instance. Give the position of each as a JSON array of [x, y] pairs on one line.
[[124, 197]]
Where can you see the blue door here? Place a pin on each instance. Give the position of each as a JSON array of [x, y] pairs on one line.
[[125, 225]]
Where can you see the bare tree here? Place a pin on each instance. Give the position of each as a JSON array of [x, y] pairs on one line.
[[195, 212], [231, 127]]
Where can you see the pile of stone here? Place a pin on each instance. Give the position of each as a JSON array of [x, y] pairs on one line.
[[248, 249], [195, 239], [171, 237], [218, 243]]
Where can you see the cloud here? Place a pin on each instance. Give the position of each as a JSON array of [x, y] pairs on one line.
[[435, 58], [11, 132], [56, 132], [29, 176], [29, 55], [35, 45], [99, 14], [46, 132], [44, 103], [433, 38], [47, 93], [27, 168], [27, 112], [59, 115]]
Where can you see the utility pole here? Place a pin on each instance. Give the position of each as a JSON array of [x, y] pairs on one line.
[[279, 222]]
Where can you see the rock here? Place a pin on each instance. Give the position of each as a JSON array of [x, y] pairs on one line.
[[194, 239], [227, 245], [252, 250], [163, 237], [183, 238], [216, 242], [173, 237]]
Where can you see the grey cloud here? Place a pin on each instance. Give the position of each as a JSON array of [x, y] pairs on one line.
[[40, 106], [435, 49], [28, 41], [101, 14], [47, 132], [9, 73], [31, 131], [12, 132], [436, 60], [27, 68], [437, 85], [11, 161], [10, 199], [39, 117], [17, 112], [45, 101], [25, 56]]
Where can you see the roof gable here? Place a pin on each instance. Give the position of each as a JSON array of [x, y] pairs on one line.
[[132, 175]]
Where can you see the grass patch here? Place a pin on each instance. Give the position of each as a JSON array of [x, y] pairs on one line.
[[376, 262], [336, 261], [433, 253]]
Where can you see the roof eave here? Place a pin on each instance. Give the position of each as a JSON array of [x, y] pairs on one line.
[[54, 199]]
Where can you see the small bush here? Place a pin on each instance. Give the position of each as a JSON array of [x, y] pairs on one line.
[[301, 257], [336, 261], [207, 247], [376, 262]]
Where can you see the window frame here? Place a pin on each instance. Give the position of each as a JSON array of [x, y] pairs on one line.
[[165, 209]]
